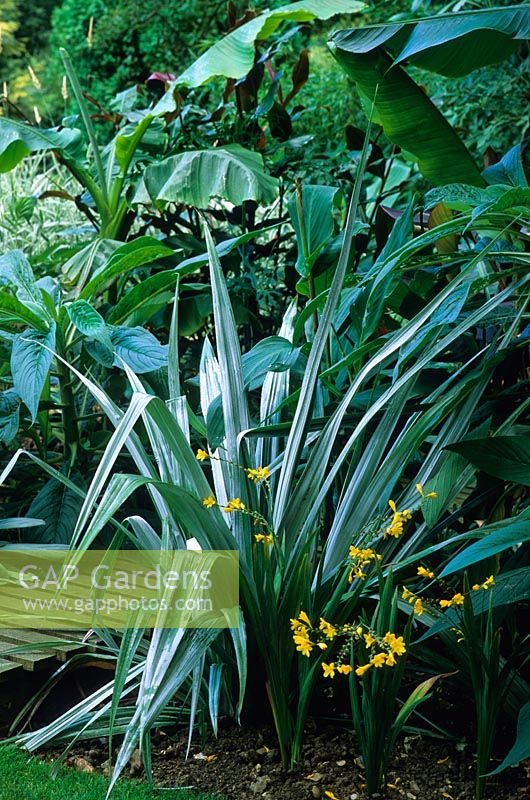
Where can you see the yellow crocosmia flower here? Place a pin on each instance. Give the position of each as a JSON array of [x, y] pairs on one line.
[[418, 606], [425, 573], [458, 599], [488, 583], [202, 455], [304, 618], [431, 495], [359, 574], [303, 645], [406, 514], [446, 603], [265, 538], [361, 670], [234, 505], [369, 639], [378, 660], [209, 501], [329, 793], [419, 488], [354, 551], [407, 594], [259, 474], [397, 643], [322, 645], [390, 660], [392, 506], [344, 669], [328, 669], [359, 631], [327, 629], [476, 587]]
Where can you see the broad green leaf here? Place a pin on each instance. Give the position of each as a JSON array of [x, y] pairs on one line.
[[450, 44], [13, 311], [509, 170], [313, 223], [490, 544], [505, 457], [88, 261], [231, 173], [130, 256], [59, 507], [403, 109], [15, 270], [30, 362], [89, 322], [9, 415], [139, 349], [273, 354], [521, 748], [144, 292], [459, 196], [18, 140], [233, 56]]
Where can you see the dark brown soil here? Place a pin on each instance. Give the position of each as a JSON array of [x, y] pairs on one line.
[[244, 763]]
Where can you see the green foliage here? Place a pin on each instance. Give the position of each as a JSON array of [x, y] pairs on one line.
[[333, 338]]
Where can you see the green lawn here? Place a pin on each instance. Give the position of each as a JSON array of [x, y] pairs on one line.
[[27, 778]]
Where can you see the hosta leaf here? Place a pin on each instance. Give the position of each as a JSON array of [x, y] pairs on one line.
[[9, 415], [505, 457], [59, 507], [233, 56], [30, 362], [18, 140], [231, 173], [89, 321]]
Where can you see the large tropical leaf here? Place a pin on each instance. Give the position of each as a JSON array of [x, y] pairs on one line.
[[505, 457], [58, 506], [233, 56], [450, 44], [231, 173], [18, 140], [30, 362]]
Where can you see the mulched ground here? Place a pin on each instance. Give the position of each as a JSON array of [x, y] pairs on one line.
[[243, 764]]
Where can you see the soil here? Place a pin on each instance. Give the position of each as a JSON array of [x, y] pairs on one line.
[[243, 764]]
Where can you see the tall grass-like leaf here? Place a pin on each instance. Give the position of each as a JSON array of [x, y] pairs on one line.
[[304, 407], [210, 389], [274, 391], [234, 399]]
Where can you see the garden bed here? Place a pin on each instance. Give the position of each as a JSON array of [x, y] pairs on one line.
[[244, 763]]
